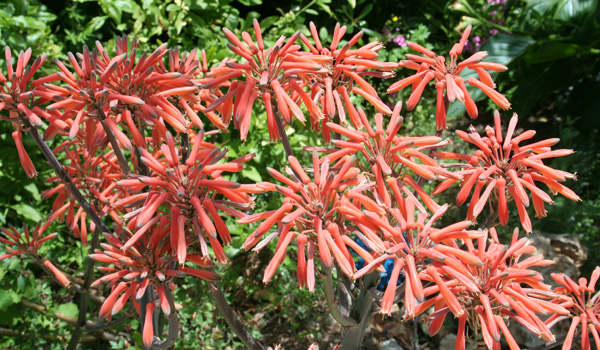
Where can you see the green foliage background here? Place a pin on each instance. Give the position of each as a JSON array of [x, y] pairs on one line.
[[552, 48]]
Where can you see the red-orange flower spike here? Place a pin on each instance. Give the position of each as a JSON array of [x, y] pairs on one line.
[[26, 243], [584, 305], [197, 187], [389, 156], [506, 171], [448, 79], [310, 212], [266, 74]]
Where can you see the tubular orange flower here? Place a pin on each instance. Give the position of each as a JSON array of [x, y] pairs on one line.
[[266, 78], [60, 277], [95, 177], [197, 188], [27, 243], [447, 78], [583, 303], [500, 167], [310, 212]]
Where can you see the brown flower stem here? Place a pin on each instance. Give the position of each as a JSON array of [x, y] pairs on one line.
[[361, 310], [115, 146], [236, 326], [185, 146], [65, 178], [334, 309], [107, 325], [490, 220], [281, 128], [85, 205], [85, 296], [173, 324]]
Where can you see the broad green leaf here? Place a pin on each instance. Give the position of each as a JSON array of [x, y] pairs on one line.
[[251, 173], [27, 211], [68, 309], [8, 297], [563, 9]]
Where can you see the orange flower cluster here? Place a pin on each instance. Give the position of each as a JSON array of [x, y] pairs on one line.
[[449, 84], [582, 300], [21, 101], [284, 77], [389, 159], [26, 243], [95, 176], [190, 189], [311, 213], [505, 169], [148, 263]]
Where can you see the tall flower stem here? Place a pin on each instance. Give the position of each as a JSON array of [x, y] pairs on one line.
[[173, 324], [334, 309], [490, 220], [234, 323], [85, 205], [285, 141], [362, 310], [115, 145]]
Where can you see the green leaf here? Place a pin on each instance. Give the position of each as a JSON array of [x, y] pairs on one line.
[[252, 173], [21, 283], [250, 2], [68, 309], [352, 3], [563, 9], [27, 211], [8, 298], [32, 188]]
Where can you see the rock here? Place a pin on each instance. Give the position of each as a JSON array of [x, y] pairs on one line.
[[569, 255], [565, 249], [390, 344], [448, 341]]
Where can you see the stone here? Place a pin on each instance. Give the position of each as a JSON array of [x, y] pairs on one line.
[[448, 341], [569, 255], [390, 344]]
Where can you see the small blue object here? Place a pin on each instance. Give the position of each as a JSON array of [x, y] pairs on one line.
[[388, 265]]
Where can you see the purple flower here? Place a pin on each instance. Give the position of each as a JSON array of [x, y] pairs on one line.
[[494, 31], [400, 40]]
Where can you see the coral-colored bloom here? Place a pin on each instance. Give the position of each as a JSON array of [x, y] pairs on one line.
[[265, 79], [19, 98], [194, 190], [60, 277], [95, 176], [310, 212], [26, 243], [343, 71], [150, 262], [502, 169], [385, 155], [447, 78], [583, 302]]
